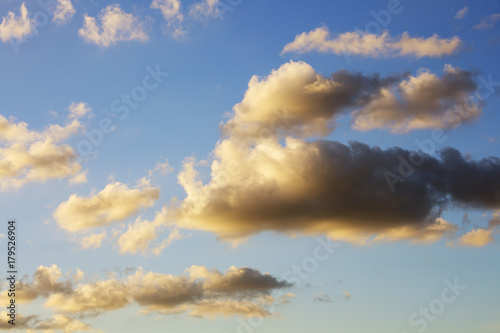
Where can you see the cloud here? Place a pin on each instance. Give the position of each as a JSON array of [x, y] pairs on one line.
[[198, 292], [275, 182], [172, 12], [422, 101], [296, 100], [115, 26], [367, 44], [63, 12], [16, 26], [479, 237], [346, 294], [92, 241], [29, 156], [46, 280], [323, 298], [141, 233], [115, 203], [79, 110], [80, 178], [205, 9], [476, 238], [488, 22], [461, 13]]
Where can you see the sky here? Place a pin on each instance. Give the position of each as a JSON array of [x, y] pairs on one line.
[[250, 166]]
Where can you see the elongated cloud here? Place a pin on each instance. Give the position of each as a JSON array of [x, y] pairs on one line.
[[262, 179], [367, 44], [16, 26], [172, 13], [115, 203], [296, 100], [198, 292], [28, 156], [115, 26]]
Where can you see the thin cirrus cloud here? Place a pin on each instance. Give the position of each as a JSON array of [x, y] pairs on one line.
[[367, 44], [16, 26], [28, 156], [270, 181], [113, 25], [199, 292]]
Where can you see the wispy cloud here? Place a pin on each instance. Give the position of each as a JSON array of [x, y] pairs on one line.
[[367, 44]]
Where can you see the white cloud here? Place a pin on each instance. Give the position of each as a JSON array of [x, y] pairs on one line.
[[79, 110], [115, 26], [16, 26], [199, 292], [115, 203], [29, 156], [172, 13], [92, 241], [64, 11], [206, 9], [367, 44]]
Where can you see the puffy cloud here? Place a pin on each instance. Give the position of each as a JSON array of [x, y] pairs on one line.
[[476, 238], [80, 178], [30, 156], [422, 101], [63, 323], [331, 188], [461, 13], [202, 292], [64, 11], [479, 237], [279, 183], [46, 280], [172, 12], [79, 110], [115, 26], [205, 9], [91, 298], [16, 26], [22, 322], [198, 292], [367, 44], [488, 22], [141, 234], [296, 100], [92, 241], [115, 203]]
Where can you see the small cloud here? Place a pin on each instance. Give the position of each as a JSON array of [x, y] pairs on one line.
[[79, 110], [488, 22], [92, 241], [321, 297], [461, 13], [115, 26], [80, 178], [346, 294]]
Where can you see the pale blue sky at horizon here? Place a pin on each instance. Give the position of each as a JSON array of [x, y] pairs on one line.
[[380, 273]]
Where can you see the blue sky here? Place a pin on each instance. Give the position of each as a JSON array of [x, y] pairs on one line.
[[153, 231]]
